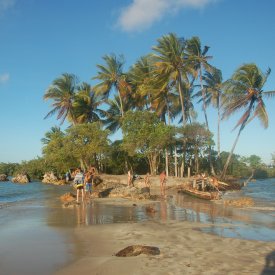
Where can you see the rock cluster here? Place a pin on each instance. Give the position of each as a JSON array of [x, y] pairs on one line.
[[3, 177], [21, 178]]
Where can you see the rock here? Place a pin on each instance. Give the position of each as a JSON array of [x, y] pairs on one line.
[[21, 178], [135, 250], [150, 209], [51, 178], [68, 197], [3, 177]]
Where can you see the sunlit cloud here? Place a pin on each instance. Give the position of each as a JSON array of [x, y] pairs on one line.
[[5, 5], [4, 78], [142, 14]]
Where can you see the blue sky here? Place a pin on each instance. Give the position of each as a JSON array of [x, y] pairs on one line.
[[41, 39]]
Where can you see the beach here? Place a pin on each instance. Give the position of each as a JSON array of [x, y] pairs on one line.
[[183, 250], [41, 236]]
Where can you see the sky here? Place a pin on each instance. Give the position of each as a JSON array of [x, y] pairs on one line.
[[40, 40]]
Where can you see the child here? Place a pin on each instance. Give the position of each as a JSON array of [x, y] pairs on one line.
[[79, 182]]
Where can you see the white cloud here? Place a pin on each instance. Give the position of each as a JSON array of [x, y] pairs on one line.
[[4, 78], [141, 14], [5, 5]]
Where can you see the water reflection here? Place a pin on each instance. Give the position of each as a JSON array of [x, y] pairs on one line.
[[225, 221]]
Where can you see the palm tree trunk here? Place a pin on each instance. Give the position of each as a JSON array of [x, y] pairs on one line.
[[230, 155], [180, 90], [206, 122], [121, 105], [176, 162], [218, 130]]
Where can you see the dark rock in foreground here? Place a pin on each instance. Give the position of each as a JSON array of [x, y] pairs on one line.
[[135, 250]]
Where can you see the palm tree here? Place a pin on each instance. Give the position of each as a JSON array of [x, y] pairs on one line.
[[52, 134], [199, 61], [244, 91], [62, 92], [111, 76], [170, 63], [142, 82], [113, 114], [86, 105], [213, 95]]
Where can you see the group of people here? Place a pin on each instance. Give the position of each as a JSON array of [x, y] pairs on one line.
[[83, 182]]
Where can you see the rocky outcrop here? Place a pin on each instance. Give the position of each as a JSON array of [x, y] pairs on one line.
[[51, 178], [3, 177], [21, 178], [116, 190]]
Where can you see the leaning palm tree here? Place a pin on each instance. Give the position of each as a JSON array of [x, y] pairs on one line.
[[111, 76], [62, 92], [244, 91], [86, 105], [170, 63]]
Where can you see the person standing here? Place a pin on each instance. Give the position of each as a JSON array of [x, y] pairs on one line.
[[88, 181], [162, 178], [79, 182]]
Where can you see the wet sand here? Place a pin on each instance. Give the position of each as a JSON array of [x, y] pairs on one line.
[[184, 250]]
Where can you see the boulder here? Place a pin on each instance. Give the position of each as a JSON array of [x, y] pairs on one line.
[[3, 177], [21, 178], [51, 178]]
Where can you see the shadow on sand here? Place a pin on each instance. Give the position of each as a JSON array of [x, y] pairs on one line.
[[269, 267]]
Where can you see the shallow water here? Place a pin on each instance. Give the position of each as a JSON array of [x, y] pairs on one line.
[[33, 224]]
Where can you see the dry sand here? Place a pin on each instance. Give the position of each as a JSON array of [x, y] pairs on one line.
[[183, 250]]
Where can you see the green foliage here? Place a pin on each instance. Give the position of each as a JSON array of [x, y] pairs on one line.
[[145, 136], [35, 168], [8, 168], [84, 141], [144, 133]]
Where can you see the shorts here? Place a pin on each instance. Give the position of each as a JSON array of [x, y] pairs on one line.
[[88, 187]]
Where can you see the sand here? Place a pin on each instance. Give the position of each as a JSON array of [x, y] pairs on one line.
[[184, 249]]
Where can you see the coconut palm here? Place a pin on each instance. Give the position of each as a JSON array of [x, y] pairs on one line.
[[142, 82], [86, 105], [111, 76], [199, 62], [244, 91], [170, 63], [213, 95], [52, 134], [62, 92], [113, 118]]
